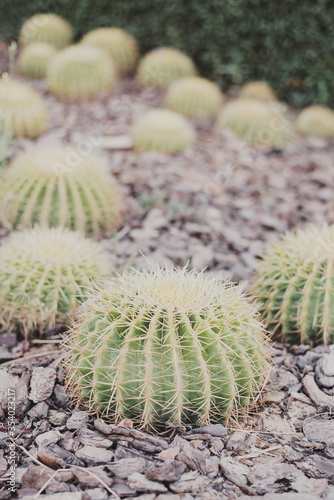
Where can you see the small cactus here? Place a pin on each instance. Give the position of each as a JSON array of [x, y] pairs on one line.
[[259, 91], [119, 44], [80, 72], [194, 97], [34, 59], [56, 186], [42, 274], [316, 120], [162, 66], [166, 345], [295, 283], [256, 122], [162, 130], [48, 28], [22, 110]]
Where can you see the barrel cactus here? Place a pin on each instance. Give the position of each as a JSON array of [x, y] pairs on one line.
[[34, 59], [256, 122], [162, 66], [162, 130], [119, 44], [166, 345], [22, 110], [316, 120], [42, 274], [260, 91], [80, 72], [59, 186], [48, 28], [194, 97], [295, 283]]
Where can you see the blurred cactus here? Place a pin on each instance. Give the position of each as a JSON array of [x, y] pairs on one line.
[[166, 345], [316, 120], [194, 97], [56, 186], [34, 59], [121, 46], [47, 28], [162, 130], [259, 91], [162, 66], [42, 273], [80, 72]]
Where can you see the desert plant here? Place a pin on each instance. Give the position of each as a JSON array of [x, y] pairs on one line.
[[34, 58], [48, 28], [166, 345], [316, 120], [296, 287], [162, 66], [256, 122], [162, 130], [57, 186], [260, 91], [80, 72], [194, 97], [119, 44], [42, 274], [22, 110]]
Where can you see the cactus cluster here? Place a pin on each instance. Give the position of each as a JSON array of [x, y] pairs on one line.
[[194, 97], [119, 44], [58, 186], [43, 272], [48, 28], [22, 110], [162, 66], [295, 283], [162, 130], [166, 345], [80, 72], [256, 122], [34, 59], [316, 120], [259, 91]]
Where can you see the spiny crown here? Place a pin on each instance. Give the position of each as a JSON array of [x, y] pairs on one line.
[[78, 54], [260, 91], [15, 93], [316, 120], [48, 28]]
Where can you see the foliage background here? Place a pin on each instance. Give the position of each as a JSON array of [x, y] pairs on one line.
[[290, 44]]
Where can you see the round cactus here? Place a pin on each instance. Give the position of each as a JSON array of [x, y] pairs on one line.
[[260, 91], [162, 66], [34, 59], [256, 122], [295, 283], [162, 130], [194, 97], [59, 186], [121, 46], [80, 72], [22, 110], [316, 120], [48, 28], [166, 345], [42, 274]]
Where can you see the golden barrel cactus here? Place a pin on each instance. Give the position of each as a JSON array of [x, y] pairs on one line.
[[316, 120], [260, 91], [34, 59], [48, 28]]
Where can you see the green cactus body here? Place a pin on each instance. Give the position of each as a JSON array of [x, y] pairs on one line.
[[34, 59], [166, 345], [121, 46], [55, 186], [194, 97], [259, 91], [162, 66], [47, 28], [295, 283], [256, 122], [162, 130], [80, 72], [316, 120], [22, 110], [43, 273]]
